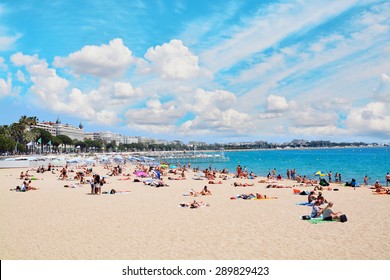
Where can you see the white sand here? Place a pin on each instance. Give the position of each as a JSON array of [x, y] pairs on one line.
[[64, 223]]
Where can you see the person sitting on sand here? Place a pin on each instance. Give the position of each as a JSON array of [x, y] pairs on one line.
[[243, 184], [311, 198], [205, 191], [328, 214], [29, 187], [321, 199], [22, 175], [316, 211], [63, 174], [21, 188]]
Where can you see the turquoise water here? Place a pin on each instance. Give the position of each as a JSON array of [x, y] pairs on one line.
[[350, 162]]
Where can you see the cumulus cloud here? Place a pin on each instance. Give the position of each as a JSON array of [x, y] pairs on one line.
[[216, 111], [103, 61], [155, 117], [308, 117], [208, 100], [172, 60], [3, 66], [20, 76], [125, 90], [46, 83], [8, 42], [5, 86], [52, 92], [382, 93], [276, 103], [372, 119]]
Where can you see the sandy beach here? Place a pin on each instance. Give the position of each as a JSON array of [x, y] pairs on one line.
[[55, 222]]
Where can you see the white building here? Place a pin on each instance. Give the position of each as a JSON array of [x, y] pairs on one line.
[[128, 139], [58, 128], [106, 136]]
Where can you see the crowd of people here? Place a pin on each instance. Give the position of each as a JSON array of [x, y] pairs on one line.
[[154, 176]]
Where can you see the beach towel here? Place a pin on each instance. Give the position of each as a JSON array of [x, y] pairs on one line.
[[319, 221], [304, 203]]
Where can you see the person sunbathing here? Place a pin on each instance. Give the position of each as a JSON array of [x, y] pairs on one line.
[[215, 182], [193, 204], [176, 178], [193, 193], [243, 184], [205, 191], [113, 191]]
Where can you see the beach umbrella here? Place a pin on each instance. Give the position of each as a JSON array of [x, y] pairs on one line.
[[164, 165], [173, 166], [320, 174]]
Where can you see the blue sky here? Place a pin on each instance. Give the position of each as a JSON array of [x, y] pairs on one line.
[[214, 71]]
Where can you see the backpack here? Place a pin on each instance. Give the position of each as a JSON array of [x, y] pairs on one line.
[[343, 218]]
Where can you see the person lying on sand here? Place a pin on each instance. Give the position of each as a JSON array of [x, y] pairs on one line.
[[176, 178], [215, 182], [193, 204], [116, 192], [252, 196], [278, 187], [243, 184]]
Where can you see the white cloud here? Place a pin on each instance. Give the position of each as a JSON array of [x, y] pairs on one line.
[[5, 86], [382, 93], [268, 29], [208, 100], [46, 83], [216, 111], [155, 117], [3, 66], [217, 121], [103, 61], [276, 103], [172, 60], [125, 90], [308, 117], [51, 92], [373, 119], [20, 76]]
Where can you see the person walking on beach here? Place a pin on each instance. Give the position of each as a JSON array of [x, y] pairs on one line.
[[339, 177], [293, 173], [366, 180], [238, 171], [330, 176], [387, 179], [288, 174]]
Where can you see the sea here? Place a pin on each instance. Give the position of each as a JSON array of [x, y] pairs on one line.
[[352, 163]]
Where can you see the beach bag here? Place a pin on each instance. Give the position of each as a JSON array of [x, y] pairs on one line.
[[343, 218], [112, 191], [306, 217]]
